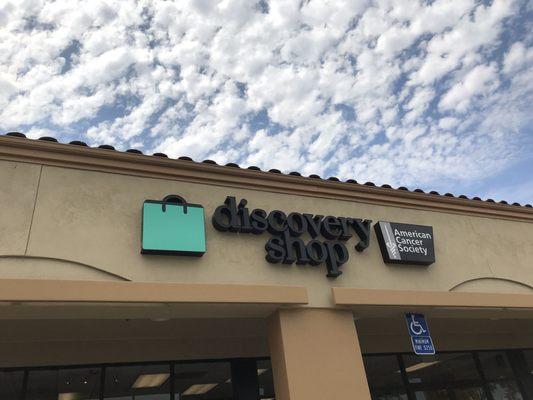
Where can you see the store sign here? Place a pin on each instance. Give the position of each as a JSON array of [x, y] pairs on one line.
[[419, 332], [405, 243], [173, 227], [286, 245]]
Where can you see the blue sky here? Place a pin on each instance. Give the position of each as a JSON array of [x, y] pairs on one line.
[[429, 94]]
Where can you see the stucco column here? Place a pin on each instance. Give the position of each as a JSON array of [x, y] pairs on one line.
[[315, 354]]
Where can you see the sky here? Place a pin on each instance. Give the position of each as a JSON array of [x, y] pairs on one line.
[[425, 94]]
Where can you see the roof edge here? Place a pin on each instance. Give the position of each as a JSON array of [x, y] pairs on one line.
[[106, 159]]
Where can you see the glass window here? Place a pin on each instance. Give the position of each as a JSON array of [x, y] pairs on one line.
[[528, 355], [437, 394], [384, 378], [497, 370], [506, 390], [139, 382], [64, 384], [440, 368], [495, 365], [266, 380], [11, 384], [202, 381], [470, 393]]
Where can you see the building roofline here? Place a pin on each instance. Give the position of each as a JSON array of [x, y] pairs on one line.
[[15, 146]]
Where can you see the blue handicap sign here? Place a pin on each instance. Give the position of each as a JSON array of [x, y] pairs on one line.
[[419, 332], [417, 325]]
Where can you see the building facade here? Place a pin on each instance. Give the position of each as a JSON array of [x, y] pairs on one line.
[[248, 284]]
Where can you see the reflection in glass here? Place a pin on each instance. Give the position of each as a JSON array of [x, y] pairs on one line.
[[495, 365], [497, 368], [461, 393], [528, 355], [139, 382], [11, 384], [505, 390], [266, 380], [64, 384], [440, 368], [384, 378], [471, 393], [202, 381], [432, 395]]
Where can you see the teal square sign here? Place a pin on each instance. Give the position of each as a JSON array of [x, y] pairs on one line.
[[173, 227]]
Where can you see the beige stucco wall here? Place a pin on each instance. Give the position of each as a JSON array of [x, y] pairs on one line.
[[75, 224], [18, 188]]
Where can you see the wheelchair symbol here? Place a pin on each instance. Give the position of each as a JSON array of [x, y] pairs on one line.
[[416, 327]]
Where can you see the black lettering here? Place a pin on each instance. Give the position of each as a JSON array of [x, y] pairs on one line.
[[225, 217], [259, 222], [330, 227], [296, 223], [275, 250], [244, 215], [316, 252], [345, 229], [337, 254], [294, 250], [313, 224], [362, 228], [277, 222]]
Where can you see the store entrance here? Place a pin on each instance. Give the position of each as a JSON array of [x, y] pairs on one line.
[[476, 375]]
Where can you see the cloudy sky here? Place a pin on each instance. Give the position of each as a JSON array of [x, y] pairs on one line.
[[431, 94]]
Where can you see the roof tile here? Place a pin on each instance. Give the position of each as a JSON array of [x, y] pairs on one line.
[[254, 168]]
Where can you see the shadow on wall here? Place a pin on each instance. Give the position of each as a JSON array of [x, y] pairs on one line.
[[492, 285], [24, 267]]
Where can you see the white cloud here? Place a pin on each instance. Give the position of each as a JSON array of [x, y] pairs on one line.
[[517, 57], [448, 123], [447, 50], [398, 91], [481, 80]]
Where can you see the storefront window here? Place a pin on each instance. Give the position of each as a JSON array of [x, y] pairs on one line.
[[266, 380], [444, 376], [495, 365], [484, 375], [11, 384], [166, 381], [428, 394], [384, 378], [497, 370], [526, 372], [203, 381], [471, 393], [139, 382], [478, 375], [505, 390], [64, 384], [440, 368], [528, 355]]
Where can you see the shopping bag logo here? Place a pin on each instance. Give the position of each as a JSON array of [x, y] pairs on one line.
[[173, 227]]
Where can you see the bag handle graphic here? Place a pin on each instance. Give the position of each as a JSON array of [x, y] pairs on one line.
[[174, 198]]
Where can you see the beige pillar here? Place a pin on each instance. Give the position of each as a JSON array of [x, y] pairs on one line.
[[315, 355]]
